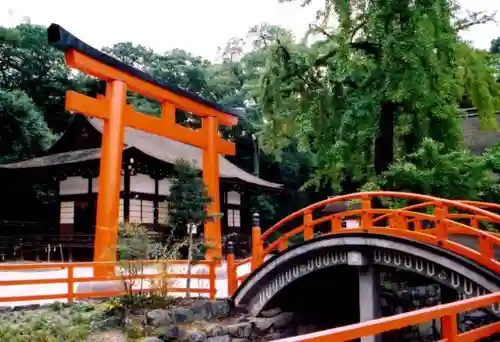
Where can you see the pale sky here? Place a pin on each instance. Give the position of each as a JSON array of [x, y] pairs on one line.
[[197, 26]]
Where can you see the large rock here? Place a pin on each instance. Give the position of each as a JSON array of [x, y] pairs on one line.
[[240, 330], [224, 338], [221, 308], [263, 324], [215, 330], [159, 317], [202, 310], [196, 337], [207, 309], [168, 333], [182, 315]]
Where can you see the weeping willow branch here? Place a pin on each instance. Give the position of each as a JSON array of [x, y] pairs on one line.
[[474, 18]]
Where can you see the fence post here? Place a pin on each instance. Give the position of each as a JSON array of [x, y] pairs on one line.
[[366, 214], [70, 283], [485, 244], [232, 277], [336, 224], [212, 285], [440, 213], [308, 226], [449, 328], [282, 244], [256, 242]]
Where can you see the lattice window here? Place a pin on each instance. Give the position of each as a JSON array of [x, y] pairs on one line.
[[141, 211], [233, 218], [67, 213], [121, 212], [163, 212], [148, 211]]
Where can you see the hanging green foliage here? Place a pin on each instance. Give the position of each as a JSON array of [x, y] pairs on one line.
[[384, 76]]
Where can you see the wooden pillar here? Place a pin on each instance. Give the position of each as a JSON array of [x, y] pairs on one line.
[[57, 205], [244, 233], [223, 209], [212, 233], [90, 200], [156, 201], [109, 177], [126, 191]]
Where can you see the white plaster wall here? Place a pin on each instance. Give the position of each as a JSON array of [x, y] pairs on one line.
[[138, 183]]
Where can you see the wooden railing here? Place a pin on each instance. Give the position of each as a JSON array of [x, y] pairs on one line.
[[138, 276], [446, 312], [432, 222]]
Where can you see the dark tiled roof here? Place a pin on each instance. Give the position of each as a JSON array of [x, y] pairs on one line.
[[170, 151], [56, 159], [155, 146]]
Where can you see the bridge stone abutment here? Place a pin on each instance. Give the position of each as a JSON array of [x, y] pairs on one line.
[[333, 280]]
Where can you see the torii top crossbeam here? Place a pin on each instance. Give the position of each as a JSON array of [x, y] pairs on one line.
[[116, 114]]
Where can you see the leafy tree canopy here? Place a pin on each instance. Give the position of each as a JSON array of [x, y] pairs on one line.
[[449, 174], [24, 131], [29, 63], [382, 77], [495, 45], [188, 198]]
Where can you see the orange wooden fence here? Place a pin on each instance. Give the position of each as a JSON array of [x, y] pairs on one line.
[[446, 312], [147, 282]]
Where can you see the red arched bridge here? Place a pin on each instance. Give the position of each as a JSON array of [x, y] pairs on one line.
[[357, 237]]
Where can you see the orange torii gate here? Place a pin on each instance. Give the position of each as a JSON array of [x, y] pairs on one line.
[[116, 114]]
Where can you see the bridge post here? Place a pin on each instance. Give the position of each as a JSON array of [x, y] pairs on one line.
[[256, 242], [232, 277], [369, 291]]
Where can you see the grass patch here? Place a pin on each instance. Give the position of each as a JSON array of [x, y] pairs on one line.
[[54, 323]]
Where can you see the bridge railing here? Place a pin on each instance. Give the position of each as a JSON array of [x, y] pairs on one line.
[[422, 218], [59, 281], [446, 312]]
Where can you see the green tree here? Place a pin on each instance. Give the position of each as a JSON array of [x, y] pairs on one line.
[[383, 77], [176, 67], [188, 198], [24, 131], [495, 45], [449, 174], [29, 63], [188, 201]]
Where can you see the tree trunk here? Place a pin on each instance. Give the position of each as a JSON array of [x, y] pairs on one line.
[[384, 143]]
